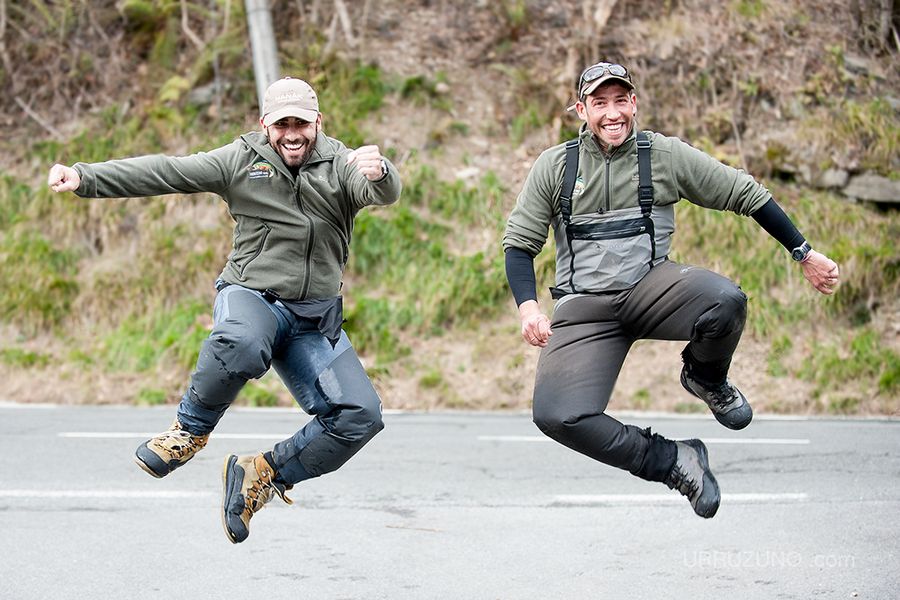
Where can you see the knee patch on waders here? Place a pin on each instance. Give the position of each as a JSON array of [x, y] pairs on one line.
[[241, 354], [355, 417], [725, 317]]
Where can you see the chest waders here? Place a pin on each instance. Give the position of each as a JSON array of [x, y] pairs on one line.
[[604, 249]]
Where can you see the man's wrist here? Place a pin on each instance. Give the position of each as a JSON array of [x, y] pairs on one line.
[[801, 252], [384, 171]]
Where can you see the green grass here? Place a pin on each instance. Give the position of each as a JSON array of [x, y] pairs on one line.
[[255, 394], [26, 359], [413, 274], [38, 278], [172, 336], [864, 356], [151, 396]]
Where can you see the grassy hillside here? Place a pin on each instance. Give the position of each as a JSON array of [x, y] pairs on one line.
[[108, 300]]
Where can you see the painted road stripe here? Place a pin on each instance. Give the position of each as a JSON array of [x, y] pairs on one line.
[[144, 436], [588, 499], [570, 499], [541, 438], [100, 494]]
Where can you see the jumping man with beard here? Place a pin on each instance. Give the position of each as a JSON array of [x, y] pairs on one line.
[[609, 196], [293, 193]]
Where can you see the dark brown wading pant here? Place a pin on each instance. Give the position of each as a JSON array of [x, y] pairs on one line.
[[592, 334]]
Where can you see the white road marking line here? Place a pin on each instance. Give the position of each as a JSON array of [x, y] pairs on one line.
[[782, 441], [589, 499], [144, 436], [541, 438], [104, 494]]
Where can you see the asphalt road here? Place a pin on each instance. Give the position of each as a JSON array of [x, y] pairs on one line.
[[458, 506]]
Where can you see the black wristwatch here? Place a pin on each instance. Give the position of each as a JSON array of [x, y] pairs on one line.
[[801, 252]]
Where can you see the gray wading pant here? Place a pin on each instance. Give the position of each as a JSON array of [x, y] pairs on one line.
[[249, 335], [592, 334]]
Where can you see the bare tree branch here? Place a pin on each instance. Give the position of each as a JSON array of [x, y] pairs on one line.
[[186, 27], [37, 118], [4, 55], [364, 25], [346, 24], [332, 33]]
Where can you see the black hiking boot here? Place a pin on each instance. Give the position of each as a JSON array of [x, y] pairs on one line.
[[727, 403], [692, 478]]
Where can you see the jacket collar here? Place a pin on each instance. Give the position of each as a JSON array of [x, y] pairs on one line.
[[322, 151], [593, 146]]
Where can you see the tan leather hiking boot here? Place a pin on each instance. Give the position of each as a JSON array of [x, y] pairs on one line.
[[249, 482], [162, 454]]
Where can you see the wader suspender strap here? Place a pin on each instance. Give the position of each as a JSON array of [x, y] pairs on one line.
[[645, 188], [569, 176], [565, 202]]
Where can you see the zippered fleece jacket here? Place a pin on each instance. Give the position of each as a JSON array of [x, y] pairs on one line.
[[291, 234], [608, 183]]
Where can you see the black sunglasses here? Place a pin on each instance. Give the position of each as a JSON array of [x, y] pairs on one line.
[[595, 72]]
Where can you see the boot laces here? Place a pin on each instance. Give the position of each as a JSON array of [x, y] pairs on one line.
[[262, 490], [722, 395], [686, 485], [179, 443]]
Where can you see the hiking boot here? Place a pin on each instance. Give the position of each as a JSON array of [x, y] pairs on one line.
[[249, 482], [162, 454], [727, 403], [691, 476]]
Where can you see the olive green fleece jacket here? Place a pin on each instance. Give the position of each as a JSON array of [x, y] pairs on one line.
[[291, 234], [610, 182]]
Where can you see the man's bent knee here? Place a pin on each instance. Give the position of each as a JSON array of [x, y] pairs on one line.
[[240, 353]]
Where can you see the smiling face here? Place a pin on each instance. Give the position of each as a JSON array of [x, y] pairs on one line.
[[293, 139], [609, 113]]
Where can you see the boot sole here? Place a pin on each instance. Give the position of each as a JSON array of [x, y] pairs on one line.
[[147, 468], [733, 426], [229, 460], [143, 464], [700, 447]]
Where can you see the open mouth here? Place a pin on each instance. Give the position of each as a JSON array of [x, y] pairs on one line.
[[293, 148], [614, 128]]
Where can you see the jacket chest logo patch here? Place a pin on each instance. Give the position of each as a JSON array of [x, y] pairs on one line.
[[261, 170], [579, 186]]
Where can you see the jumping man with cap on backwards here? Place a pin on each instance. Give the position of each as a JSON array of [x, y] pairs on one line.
[[609, 196], [293, 193]]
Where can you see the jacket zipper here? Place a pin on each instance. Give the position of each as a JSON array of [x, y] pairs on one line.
[[608, 158], [310, 239]]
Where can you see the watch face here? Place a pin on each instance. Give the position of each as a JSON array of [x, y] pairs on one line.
[[797, 254]]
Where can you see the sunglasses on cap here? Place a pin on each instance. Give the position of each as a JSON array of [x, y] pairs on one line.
[[595, 72]]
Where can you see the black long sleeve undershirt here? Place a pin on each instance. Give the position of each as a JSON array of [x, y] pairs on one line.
[[520, 275], [777, 224]]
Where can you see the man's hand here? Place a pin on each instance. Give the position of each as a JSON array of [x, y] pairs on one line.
[[63, 178], [821, 272], [368, 162], [535, 324]]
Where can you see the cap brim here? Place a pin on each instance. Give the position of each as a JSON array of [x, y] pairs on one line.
[[592, 86], [304, 114]]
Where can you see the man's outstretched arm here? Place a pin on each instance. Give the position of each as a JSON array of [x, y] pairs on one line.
[[822, 272]]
